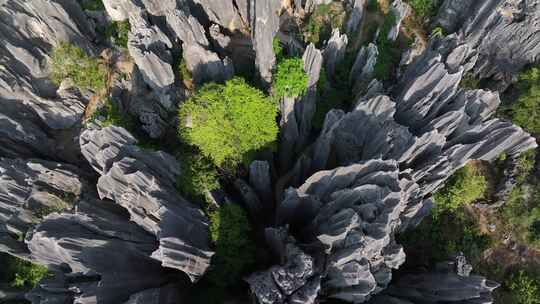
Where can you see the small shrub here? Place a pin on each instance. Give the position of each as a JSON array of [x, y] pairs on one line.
[[525, 111], [278, 50], [69, 61], [525, 289], [290, 78], [25, 274], [235, 252], [464, 187], [198, 175], [228, 122], [525, 164], [112, 115], [423, 8], [118, 32], [373, 6], [389, 51], [437, 32], [470, 82], [93, 5]]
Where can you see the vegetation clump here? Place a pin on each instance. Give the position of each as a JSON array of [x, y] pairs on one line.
[[525, 111], [93, 5], [465, 186], [118, 32], [110, 114], [235, 252], [20, 273], [423, 8], [290, 79], [389, 51], [228, 122], [525, 289], [69, 61], [199, 175], [321, 22]]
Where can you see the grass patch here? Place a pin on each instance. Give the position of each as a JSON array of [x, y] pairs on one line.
[[69, 61]]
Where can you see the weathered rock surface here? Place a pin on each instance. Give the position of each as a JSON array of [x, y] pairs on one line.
[[203, 63], [297, 113], [264, 21], [104, 256], [144, 182], [503, 32], [150, 49], [225, 13], [29, 190], [334, 52], [400, 9], [31, 108]]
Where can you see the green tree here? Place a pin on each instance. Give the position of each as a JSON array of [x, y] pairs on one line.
[[524, 289], [228, 122], [465, 186], [423, 8], [525, 111], [25, 274], [324, 18], [290, 78], [69, 61], [199, 175], [235, 252], [118, 31]]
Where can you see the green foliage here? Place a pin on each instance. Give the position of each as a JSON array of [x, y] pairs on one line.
[[437, 32], [525, 289], [423, 8], [525, 111], [520, 214], [440, 236], [198, 176], [56, 204], [290, 78], [235, 252], [69, 61], [464, 187], [228, 122], [118, 32], [111, 114], [389, 51], [278, 50], [470, 82], [373, 6], [322, 20], [25, 274], [525, 164], [93, 5]]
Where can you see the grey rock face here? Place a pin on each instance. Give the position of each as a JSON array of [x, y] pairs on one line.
[[264, 21], [224, 13], [143, 182], [292, 282], [363, 68], [149, 48], [347, 216], [204, 64], [106, 256], [356, 14], [400, 9], [29, 190], [297, 113], [502, 31], [334, 52], [31, 107]]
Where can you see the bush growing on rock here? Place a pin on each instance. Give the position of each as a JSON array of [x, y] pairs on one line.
[[118, 32], [69, 61], [323, 19], [235, 252], [525, 111], [228, 122], [290, 79], [20, 273], [423, 8], [464, 187], [198, 176], [525, 289]]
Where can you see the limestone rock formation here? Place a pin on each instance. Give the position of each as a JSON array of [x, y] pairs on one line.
[[334, 51], [503, 33], [264, 22], [356, 14], [143, 182]]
